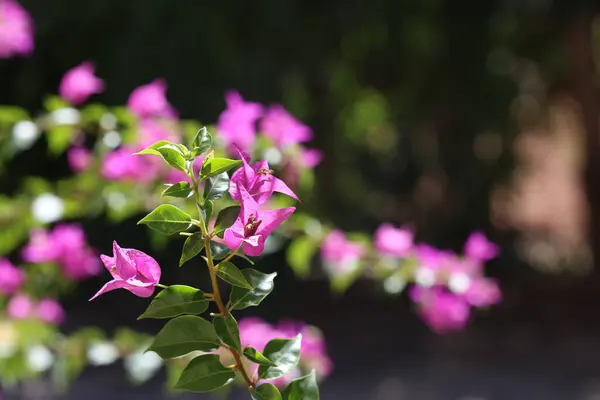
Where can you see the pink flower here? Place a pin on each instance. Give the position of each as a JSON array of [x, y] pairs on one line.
[[253, 225], [479, 248], [391, 241], [236, 125], [151, 131], [79, 83], [256, 333], [150, 100], [16, 30], [40, 248], [483, 292], [283, 128], [310, 158], [19, 306], [339, 253], [79, 158], [122, 165], [441, 310], [49, 310], [258, 180], [11, 277], [132, 270]]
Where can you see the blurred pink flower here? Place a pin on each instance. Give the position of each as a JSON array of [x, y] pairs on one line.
[[150, 100], [19, 306], [483, 292], [79, 83], [340, 253], [310, 158], [151, 131], [16, 30], [440, 309], [132, 270], [392, 241], [40, 248], [11, 277], [49, 310], [236, 124], [477, 247], [79, 158], [121, 164], [283, 128]]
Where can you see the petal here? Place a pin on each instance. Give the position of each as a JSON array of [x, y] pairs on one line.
[[271, 219], [124, 265], [248, 204], [233, 239], [277, 185], [140, 291], [112, 285], [145, 265], [234, 185], [109, 263], [254, 247]]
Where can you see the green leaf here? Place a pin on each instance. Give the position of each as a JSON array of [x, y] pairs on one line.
[[300, 254], [207, 210], [266, 391], [219, 250], [227, 330], [180, 189], [202, 141], [225, 219], [216, 186], [183, 335], [176, 300], [303, 388], [153, 148], [257, 357], [173, 155], [167, 219], [231, 274], [59, 138], [262, 285], [204, 374], [285, 353], [192, 246], [214, 166]]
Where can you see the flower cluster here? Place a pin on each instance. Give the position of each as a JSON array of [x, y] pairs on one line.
[[48, 310], [65, 245], [16, 30]]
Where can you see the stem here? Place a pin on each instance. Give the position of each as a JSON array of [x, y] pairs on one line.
[[229, 257], [224, 311], [160, 285]]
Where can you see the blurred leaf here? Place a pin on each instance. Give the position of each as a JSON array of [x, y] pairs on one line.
[[10, 115], [183, 335], [262, 285], [303, 388], [299, 255], [204, 374], [266, 391], [176, 300], [285, 353], [218, 250], [53, 103], [59, 138], [167, 219]]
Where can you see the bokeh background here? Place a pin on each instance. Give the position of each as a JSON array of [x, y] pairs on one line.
[[448, 116]]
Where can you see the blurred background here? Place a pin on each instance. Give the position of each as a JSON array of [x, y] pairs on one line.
[[446, 116]]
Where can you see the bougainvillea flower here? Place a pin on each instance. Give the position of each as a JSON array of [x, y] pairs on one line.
[[339, 253], [237, 123], [477, 247], [19, 306], [253, 225], [310, 158], [16, 30], [132, 270], [79, 83], [50, 310], [122, 165], [258, 180], [283, 128], [79, 158], [483, 293], [150, 100], [440, 309], [392, 241], [11, 277]]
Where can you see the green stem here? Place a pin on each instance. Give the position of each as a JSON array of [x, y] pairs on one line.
[[160, 285]]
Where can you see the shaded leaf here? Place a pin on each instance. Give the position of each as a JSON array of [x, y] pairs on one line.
[[176, 300], [204, 374], [227, 330], [285, 353], [192, 246], [266, 391], [225, 219], [183, 335], [303, 388], [167, 219], [231, 274], [262, 284], [257, 357], [216, 186]]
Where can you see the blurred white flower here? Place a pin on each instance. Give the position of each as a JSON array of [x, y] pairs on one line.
[[425, 277], [394, 284], [142, 366], [459, 283], [65, 116], [108, 121], [47, 208], [112, 139], [24, 134], [273, 156], [39, 358], [102, 353]]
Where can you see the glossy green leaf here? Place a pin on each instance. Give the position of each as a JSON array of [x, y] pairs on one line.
[[225, 219], [173, 156], [153, 148], [285, 353], [219, 250], [303, 388], [262, 284], [231, 274], [183, 335], [204, 374], [167, 219], [176, 300], [202, 141], [266, 391], [257, 357], [216, 186], [192, 246], [180, 189], [299, 255], [227, 330], [214, 166]]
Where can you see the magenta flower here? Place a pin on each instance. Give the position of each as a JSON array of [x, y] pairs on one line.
[[237, 124], [79, 83], [283, 128], [258, 180], [11, 277], [392, 241], [151, 131], [16, 30], [150, 100], [441, 310], [49, 310], [132, 270], [79, 158], [19, 306], [483, 293], [479, 248], [340, 254], [40, 248], [122, 165], [310, 158], [253, 225]]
